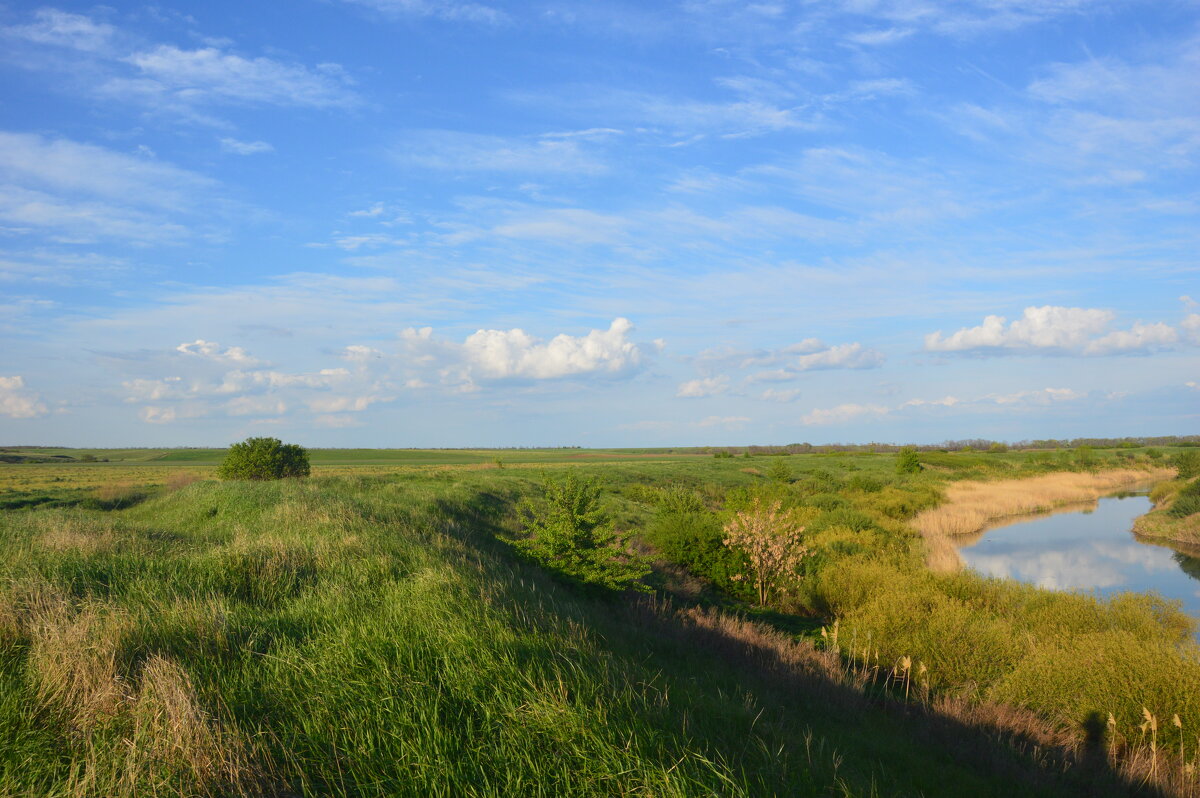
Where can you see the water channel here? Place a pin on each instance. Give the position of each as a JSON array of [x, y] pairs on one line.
[[1086, 547]]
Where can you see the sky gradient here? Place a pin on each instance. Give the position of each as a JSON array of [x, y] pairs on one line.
[[426, 223]]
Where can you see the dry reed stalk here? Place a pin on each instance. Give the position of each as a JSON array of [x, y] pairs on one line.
[[971, 506]]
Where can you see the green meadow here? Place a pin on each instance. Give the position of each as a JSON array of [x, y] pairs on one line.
[[378, 629]]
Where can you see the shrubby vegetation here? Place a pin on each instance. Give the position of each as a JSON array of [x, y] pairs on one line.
[[569, 533], [264, 458]]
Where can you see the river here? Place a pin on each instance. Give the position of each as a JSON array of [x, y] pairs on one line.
[[1088, 548]]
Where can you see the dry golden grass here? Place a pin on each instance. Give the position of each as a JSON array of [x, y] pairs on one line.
[[73, 657], [970, 506], [171, 729], [62, 533]]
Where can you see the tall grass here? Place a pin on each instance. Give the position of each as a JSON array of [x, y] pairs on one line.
[[370, 635]]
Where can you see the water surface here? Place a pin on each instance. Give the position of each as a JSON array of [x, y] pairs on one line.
[[1089, 548]]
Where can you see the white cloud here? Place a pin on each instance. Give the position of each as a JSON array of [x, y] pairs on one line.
[[105, 62], [358, 353], [945, 401], [158, 414], [81, 192], [841, 356], [63, 29], [1039, 328], [210, 75], [150, 390], [843, 414], [17, 402], [1045, 396], [1070, 330], [705, 386], [73, 169], [245, 147], [343, 404], [1139, 338], [210, 350], [499, 354]]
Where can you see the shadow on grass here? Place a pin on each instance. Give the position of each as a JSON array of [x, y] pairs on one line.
[[947, 747]]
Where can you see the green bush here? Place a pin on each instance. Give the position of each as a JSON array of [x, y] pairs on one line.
[[569, 533], [1187, 464], [264, 458], [909, 462]]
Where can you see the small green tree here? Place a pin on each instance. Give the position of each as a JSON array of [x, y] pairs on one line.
[[909, 462], [264, 458], [569, 533], [780, 471]]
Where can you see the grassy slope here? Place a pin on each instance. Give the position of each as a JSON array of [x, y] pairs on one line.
[[369, 636], [1161, 526]]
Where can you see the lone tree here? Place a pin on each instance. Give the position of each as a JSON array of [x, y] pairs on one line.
[[264, 458], [770, 539]]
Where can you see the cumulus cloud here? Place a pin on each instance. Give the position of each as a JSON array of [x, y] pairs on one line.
[[705, 386], [842, 414], [1139, 338], [506, 354], [17, 402], [1061, 329]]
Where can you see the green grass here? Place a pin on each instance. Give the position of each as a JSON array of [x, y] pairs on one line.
[[370, 635]]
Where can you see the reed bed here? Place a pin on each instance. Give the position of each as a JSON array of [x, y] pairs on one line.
[[970, 506]]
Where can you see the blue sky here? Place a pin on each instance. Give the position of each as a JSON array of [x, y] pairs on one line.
[[439, 223]]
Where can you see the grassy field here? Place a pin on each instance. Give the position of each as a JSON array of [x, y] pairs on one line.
[[369, 631]]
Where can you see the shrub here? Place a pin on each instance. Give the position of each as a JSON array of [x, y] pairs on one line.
[[780, 471], [570, 534], [769, 537], [908, 462], [1187, 464], [264, 458]]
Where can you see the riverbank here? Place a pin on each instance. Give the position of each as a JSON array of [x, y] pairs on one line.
[[1162, 525], [970, 506]]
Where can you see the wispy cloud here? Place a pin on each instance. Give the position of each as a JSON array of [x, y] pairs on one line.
[[81, 192], [245, 147], [114, 66], [456, 151], [450, 10]]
